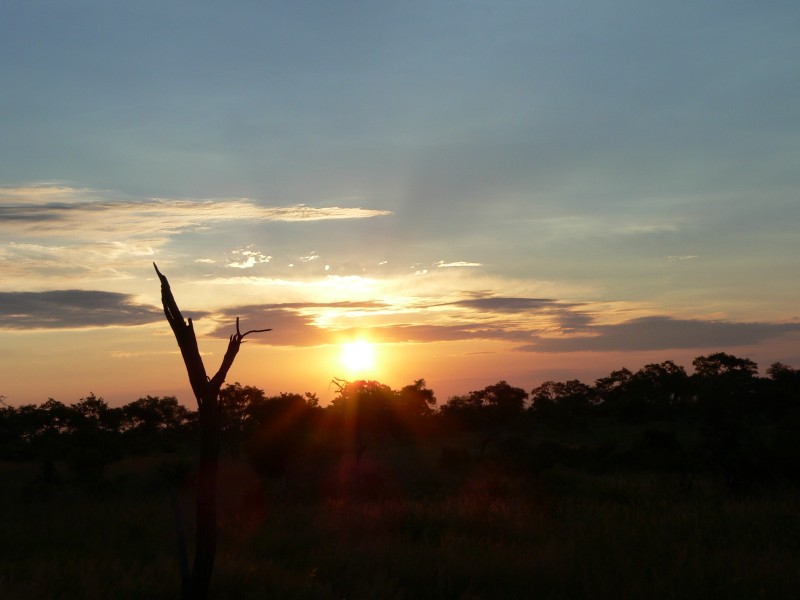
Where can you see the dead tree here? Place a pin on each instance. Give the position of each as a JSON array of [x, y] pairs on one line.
[[195, 584]]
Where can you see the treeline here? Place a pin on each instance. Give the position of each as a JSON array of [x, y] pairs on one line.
[[88, 435], [723, 418], [722, 387]]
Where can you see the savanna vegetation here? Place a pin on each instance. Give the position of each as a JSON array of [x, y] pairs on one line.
[[648, 484]]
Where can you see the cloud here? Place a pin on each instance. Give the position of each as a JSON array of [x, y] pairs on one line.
[[413, 333], [33, 212], [509, 304], [344, 283], [59, 233], [460, 263], [293, 323], [290, 328], [249, 263], [535, 322], [607, 226], [42, 192], [60, 265], [663, 333], [682, 257], [251, 259], [309, 324], [537, 315], [68, 309], [532, 324]]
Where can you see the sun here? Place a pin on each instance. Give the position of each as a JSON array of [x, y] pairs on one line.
[[358, 356]]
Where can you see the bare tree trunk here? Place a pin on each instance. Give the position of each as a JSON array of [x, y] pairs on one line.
[[196, 584], [199, 582]]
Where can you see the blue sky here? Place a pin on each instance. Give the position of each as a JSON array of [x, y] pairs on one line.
[[487, 190]]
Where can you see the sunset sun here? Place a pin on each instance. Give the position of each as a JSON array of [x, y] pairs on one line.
[[358, 357]]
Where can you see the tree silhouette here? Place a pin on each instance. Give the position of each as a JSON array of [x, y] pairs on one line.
[[662, 385], [235, 400], [413, 406], [720, 363], [655, 389], [196, 583], [93, 426], [364, 408], [568, 398], [727, 392], [152, 421], [48, 424], [784, 383], [502, 401], [613, 389], [278, 429]]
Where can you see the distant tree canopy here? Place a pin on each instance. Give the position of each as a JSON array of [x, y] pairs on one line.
[[724, 396], [368, 411], [563, 397], [493, 405]]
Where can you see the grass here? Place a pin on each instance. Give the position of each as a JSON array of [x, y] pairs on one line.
[[403, 529]]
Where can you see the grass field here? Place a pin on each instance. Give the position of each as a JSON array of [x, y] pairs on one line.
[[401, 527]]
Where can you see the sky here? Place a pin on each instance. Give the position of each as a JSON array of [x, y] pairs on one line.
[[479, 190]]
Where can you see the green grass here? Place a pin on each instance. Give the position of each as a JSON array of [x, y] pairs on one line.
[[403, 529]]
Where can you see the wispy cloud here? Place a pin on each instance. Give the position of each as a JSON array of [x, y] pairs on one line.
[[68, 212], [533, 315], [63, 233], [62, 264], [427, 333], [298, 326], [289, 327], [533, 324], [407, 322], [293, 324], [677, 257], [606, 225], [502, 304], [459, 263], [42, 192], [539, 325], [345, 283]]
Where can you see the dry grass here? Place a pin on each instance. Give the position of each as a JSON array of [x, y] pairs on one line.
[[480, 534]]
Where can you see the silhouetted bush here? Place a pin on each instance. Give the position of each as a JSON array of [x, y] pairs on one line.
[[657, 449], [278, 431], [731, 422], [454, 459]]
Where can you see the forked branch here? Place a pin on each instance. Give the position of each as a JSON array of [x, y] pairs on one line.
[[196, 584], [241, 335], [202, 386]]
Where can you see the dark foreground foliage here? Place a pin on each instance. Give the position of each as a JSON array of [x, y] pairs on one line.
[[654, 483], [400, 526]]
